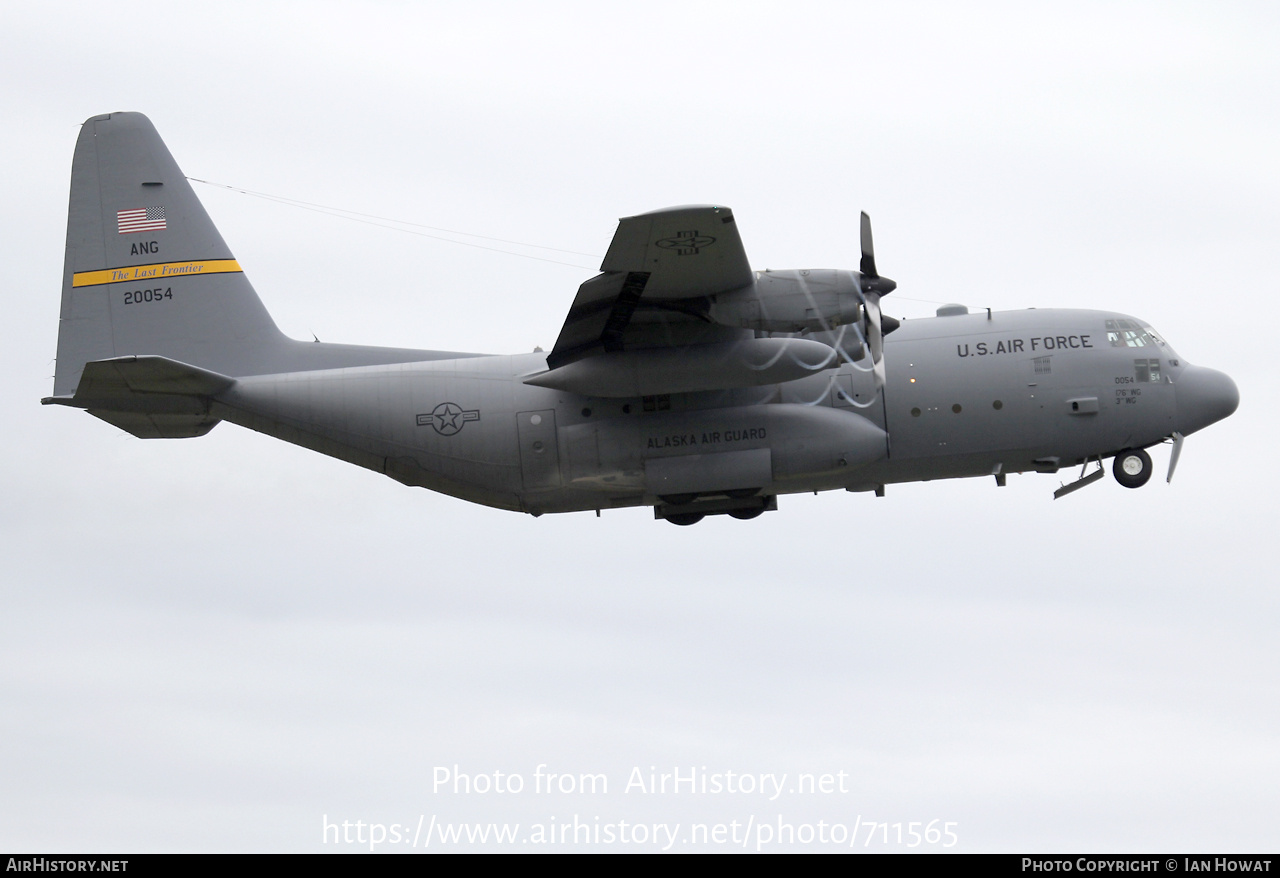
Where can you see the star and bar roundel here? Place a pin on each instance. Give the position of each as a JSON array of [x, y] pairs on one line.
[[448, 418]]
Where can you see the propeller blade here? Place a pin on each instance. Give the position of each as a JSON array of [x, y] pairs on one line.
[[868, 266], [872, 281], [1173, 458], [875, 326], [872, 331]]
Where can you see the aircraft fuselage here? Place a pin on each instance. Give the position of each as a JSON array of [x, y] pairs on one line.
[[964, 395]]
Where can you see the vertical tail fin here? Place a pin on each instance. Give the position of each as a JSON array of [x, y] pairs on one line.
[[146, 272]]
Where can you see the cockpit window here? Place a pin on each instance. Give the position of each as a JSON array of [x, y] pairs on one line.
[[1162, 345], [1128, 333], [1155, 336]]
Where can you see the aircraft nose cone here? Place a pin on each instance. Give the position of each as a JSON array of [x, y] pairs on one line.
[[1205, 396]]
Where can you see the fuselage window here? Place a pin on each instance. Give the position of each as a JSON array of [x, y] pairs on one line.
[[1147, 371]]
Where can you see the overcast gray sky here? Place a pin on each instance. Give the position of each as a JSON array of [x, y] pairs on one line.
[[213, 644]]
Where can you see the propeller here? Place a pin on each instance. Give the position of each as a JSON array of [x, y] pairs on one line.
[[1173, 458], [871, 286]]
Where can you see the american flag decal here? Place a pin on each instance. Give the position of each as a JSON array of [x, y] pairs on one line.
[[142, 219]]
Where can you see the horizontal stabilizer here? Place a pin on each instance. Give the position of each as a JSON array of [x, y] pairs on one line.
[[105, 380], [151, 397]]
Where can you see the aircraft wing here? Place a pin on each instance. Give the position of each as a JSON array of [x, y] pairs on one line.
[[656, 282]]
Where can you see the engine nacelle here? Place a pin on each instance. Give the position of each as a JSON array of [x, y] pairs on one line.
[[750, 362], [801, 300]]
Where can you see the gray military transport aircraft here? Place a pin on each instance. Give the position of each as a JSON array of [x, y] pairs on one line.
[[681, 379]]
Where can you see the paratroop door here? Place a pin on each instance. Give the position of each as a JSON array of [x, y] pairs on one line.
[[539, 460]]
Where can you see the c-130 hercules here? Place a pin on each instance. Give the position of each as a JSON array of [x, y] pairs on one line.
[[681, 379]]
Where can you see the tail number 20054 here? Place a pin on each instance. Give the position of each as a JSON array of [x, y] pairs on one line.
[[137, 297]]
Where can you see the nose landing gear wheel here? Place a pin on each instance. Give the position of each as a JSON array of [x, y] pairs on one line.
[[1132, 468]]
